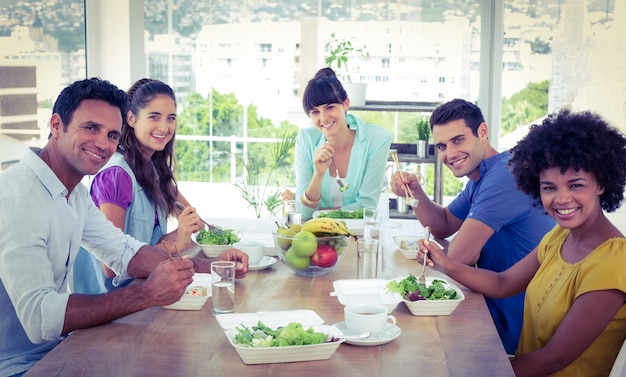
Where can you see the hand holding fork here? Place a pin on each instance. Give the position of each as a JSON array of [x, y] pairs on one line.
[[212, 228], [422, 278]]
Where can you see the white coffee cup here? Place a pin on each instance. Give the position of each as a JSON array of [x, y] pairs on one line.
[[360, 318], [254, 249]]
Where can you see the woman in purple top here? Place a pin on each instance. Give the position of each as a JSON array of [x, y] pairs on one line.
[[136, 190]]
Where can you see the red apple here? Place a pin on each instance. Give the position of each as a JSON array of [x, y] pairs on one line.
[[324, 256]]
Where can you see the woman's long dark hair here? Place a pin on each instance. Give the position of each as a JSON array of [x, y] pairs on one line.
[[156, 175]]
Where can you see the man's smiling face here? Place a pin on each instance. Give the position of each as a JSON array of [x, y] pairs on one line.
[[91, 137], [459, 149]]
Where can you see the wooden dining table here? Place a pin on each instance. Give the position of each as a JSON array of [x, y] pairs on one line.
[[162, 342]]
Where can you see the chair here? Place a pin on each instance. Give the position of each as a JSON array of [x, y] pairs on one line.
[[619, 368]]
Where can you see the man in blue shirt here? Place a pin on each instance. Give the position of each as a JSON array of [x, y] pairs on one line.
[[47, 214], [495, 224]]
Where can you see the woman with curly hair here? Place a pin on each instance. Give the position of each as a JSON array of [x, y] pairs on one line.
[[136, 189], [574, 164]]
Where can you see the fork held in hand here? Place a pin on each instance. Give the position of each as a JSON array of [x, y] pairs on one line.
[[422, 278], [212, 228], [342, 186]]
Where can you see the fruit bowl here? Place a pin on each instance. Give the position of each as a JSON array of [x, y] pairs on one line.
[[308, 254]]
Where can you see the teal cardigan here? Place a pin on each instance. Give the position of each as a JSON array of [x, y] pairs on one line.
[[366, 169]]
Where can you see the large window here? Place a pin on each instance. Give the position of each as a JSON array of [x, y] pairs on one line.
[[239, 67], [261, 56], [562, 54], [42, 49]]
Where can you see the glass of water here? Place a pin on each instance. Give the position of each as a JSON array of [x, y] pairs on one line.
[[223, 287], [291, 213], [367, 258]]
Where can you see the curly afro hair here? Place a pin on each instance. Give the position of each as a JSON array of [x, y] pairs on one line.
[[581, 140]]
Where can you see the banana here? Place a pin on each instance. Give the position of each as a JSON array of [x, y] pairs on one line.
[[326, 225], [322, 225], [345, 228]]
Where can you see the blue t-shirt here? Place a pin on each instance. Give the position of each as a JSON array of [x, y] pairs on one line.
[[518, 225]]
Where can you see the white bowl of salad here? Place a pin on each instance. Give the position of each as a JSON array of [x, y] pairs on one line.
[[280, 337], [438, 297], [213, 244]]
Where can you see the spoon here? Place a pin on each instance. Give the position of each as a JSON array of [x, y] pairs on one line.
[[364, 335]]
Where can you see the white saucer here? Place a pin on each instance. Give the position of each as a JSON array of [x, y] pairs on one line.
[[264, 263], [390, 332]]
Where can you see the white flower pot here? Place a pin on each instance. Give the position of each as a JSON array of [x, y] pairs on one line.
[[356, 92], [422, 149]]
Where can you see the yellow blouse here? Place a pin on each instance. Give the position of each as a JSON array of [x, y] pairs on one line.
[[556, 285]]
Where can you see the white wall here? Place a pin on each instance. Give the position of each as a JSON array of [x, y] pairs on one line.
[[115, 41]]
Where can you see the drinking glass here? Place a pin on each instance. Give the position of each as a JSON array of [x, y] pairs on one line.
[[223, 287], [367, 258], [371, 230], [290, 213]]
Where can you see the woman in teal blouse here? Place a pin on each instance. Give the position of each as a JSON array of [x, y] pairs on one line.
[[338, 143]]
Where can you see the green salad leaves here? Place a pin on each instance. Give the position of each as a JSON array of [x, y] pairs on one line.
[[206, 237], [410, 289], [341, 214], [291, 335]]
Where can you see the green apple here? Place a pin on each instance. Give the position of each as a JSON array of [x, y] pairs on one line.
[[295, 261], [284, 242], [304, 243]]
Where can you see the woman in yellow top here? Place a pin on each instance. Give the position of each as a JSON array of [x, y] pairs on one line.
[[574, 312]]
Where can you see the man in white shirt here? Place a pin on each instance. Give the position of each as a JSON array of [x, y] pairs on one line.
[[47, 214]]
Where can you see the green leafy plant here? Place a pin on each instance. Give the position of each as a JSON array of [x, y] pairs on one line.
[[251, 189], [423, 129], [340, 52]]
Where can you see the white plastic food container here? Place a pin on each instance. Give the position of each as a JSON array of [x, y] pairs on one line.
[[268, 355], [373, 291], [365, 291], [355, 225], [401, 241], [435, 307], [194, 300]]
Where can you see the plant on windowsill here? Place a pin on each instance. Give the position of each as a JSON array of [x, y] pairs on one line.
[[256, 194], [423, 134], [341, 51], [423, 129]]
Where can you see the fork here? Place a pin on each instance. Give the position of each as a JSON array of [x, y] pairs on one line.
[[422, 278], [212, 228], [342, 187]]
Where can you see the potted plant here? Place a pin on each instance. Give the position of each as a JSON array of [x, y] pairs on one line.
[[423, 134], [256, 193], [340, 52]]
